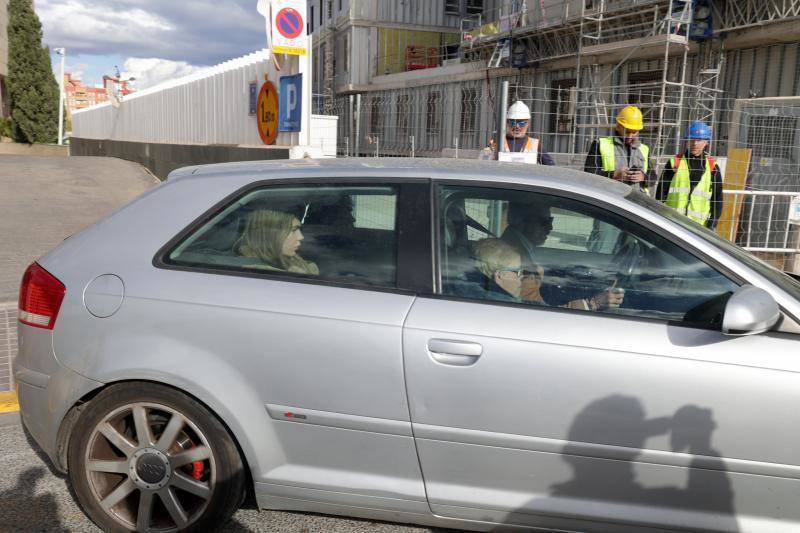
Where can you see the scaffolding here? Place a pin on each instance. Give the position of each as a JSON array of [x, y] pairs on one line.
[[657, 30], [602, 37]]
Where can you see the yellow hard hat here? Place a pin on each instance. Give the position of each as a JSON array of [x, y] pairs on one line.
[[630, 118]]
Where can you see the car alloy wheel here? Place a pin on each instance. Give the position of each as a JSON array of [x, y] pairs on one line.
[[146, 458], [142, 454]]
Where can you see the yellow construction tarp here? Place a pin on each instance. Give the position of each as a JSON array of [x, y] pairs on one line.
[[393, 42], [486, 29], [735, 179]]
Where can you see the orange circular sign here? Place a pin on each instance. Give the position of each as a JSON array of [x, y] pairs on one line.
[[267, 113]]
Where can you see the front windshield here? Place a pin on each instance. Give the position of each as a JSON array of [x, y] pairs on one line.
[[781, 279]]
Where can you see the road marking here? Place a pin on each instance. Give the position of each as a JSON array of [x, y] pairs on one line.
[[8, 402]]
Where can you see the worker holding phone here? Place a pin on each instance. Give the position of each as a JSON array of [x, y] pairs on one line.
[[623, 157]]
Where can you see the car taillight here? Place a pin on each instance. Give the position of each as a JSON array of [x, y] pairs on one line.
[[40, 296]]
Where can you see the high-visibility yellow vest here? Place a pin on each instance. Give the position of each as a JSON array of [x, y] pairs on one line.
[[695, 204], [606, 145], [609, 160]]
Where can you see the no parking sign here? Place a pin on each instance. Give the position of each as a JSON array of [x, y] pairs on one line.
[[289, 27]]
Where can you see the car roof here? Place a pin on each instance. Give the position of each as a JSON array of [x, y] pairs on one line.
[[397, 167]]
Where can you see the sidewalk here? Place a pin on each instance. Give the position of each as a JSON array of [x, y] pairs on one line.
[[44, 200]]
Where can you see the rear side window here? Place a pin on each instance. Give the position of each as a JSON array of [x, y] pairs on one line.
[[337, 233]]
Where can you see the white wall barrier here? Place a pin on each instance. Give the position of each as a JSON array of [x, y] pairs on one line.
[[209, 107]]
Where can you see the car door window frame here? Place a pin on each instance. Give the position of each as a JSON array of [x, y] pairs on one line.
[[627, 215], [413, 256]]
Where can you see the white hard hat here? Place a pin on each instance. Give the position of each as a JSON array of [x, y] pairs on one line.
[[518, 111]]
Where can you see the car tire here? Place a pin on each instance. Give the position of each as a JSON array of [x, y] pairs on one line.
[[147, 457]]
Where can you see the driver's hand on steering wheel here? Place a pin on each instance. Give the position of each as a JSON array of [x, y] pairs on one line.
[[611, 298]]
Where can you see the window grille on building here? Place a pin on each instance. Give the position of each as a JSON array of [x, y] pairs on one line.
[[562, 105], [469, 114], [772, 136], [375, 117], [403, 114], [463, 7], [434, 120], [642, 87]]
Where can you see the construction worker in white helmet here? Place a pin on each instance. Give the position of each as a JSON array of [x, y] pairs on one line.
[[623, 157], [518, 120]]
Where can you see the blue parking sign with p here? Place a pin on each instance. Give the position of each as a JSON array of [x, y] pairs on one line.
[[290, 104]]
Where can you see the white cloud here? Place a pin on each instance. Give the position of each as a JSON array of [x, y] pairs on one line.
[[197, 31], [152, 71], [78, 19], [77, 70]]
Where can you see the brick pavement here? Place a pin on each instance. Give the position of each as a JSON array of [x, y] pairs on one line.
[[44, 200]]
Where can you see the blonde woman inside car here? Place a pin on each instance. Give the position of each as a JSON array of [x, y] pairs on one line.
[[274, 237]]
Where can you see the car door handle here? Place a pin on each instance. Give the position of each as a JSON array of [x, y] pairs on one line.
[[456, 353]]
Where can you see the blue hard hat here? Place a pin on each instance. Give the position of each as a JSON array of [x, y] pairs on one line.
[[698, 130]]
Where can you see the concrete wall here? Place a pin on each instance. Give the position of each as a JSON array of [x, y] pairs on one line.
[[161, 159]]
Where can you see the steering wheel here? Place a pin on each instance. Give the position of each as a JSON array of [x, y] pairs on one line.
[[626, 259]]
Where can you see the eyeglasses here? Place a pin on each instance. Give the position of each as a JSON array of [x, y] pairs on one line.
[[514, 123], [519, 272]]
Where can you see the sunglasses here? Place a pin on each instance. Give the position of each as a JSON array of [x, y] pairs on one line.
[[514, 123]]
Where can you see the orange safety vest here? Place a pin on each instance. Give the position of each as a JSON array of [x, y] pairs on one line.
[[528, 148]]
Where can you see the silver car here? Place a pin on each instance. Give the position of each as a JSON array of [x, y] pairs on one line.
[[474, 345]]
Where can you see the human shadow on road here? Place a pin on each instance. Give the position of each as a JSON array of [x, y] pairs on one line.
[[25, 511]]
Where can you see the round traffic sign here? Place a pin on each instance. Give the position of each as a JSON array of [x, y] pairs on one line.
[[289, 23], [267, 113]]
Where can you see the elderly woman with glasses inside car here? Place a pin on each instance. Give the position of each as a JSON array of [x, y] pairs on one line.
[[498, 271], [529, 224]]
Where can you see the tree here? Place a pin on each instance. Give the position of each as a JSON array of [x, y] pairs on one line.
[[32, 87]]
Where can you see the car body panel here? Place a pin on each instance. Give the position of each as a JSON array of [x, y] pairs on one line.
[[531, 440]]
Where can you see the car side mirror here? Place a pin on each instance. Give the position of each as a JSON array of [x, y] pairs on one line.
[[749, 311]]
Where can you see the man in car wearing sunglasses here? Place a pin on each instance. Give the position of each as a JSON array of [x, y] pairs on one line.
[[529, 224], [518, 121]]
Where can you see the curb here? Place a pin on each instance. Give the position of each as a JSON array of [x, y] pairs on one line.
[[8, 402]]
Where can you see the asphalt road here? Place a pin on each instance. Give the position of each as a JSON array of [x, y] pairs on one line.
[[34, 499]]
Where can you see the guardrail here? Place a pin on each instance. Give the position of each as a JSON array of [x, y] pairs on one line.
[[777, 231]]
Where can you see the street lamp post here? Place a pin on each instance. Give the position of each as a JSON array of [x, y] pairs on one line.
[[62, 53]]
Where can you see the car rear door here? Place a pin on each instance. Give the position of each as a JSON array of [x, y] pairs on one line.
[[319, 346], [603, 420]]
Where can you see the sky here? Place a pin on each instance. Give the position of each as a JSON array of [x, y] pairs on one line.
[[151, 40]]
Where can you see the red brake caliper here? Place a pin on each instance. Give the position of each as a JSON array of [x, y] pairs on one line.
[[197, 470]]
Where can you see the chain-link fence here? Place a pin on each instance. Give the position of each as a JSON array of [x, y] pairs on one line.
[[756, 142], [440, 120]]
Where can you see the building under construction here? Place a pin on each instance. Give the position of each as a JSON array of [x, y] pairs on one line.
[[422, 77], [425, 78]]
